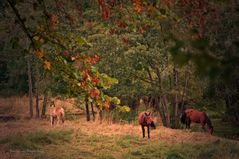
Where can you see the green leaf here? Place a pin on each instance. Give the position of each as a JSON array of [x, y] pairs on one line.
[[200, 44], [123, 109], [15, 42], [115, 100]]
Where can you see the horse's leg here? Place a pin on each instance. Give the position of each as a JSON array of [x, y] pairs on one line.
[[188, 123], [143, 130], [51, 119], [58, 119], [148, 131], [62, 118]]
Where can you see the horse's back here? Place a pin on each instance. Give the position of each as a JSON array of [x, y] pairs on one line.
[[195, 115], [54, 111]]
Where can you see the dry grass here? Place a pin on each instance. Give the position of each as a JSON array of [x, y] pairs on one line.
[[172, 136], [104, 140], [18, 106]]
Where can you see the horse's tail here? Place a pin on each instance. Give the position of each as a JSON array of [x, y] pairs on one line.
[[209, 123]]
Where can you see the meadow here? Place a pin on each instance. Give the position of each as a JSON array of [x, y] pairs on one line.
[[77, 139]]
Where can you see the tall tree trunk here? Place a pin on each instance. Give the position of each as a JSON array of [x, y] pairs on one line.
[[161, 110], [175, 102], [87, 109], [43, 111], [182, 101], [30, 85], [37, 104], [37, 94], [92, 110], [166, 110]]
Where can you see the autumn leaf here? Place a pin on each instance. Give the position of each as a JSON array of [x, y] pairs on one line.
[[47, 65], [53, 21], [39, 53], [36, 38], [106, 103], [138, 8], [95, 81], [125, 40], [141, 29], [105, 13], [94, 93], [137, 5]]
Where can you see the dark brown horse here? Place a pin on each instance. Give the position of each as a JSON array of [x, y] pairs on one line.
[[145, 120], [193, 115]]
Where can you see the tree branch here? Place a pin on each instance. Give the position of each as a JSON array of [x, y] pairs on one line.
[[21, 22]]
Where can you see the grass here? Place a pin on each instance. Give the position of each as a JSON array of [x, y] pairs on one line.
[[36, 140], [222, 129], [66, 144], [85, 140]]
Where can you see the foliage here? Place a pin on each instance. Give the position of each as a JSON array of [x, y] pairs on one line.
[[144, 44]]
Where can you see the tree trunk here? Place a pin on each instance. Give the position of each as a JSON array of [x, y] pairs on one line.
[[37, 79], [182, 102], [161, 111], [166, 110], [30, 86], [37, 104], [175, 102], [92, 109], [43, 111], [87, 109]]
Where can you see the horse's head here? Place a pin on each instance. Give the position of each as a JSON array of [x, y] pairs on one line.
[[211, 130], [149, 119]]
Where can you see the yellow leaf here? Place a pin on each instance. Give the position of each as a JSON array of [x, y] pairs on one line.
[[39, 52], [36, 38], [47, 65]]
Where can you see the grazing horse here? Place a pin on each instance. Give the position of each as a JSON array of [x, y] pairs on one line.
[[192, 115], [146, 119], [57, 113]]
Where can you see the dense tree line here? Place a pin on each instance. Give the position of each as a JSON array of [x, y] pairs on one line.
[[164, 52]]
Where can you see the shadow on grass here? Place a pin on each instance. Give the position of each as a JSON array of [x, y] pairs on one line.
[[35, 140]]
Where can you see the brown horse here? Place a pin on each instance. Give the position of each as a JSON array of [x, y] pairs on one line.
[[146, 119], [57, 113], [193, 115]]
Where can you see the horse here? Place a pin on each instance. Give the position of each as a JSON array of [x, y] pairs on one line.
[[192, 115], [57, 113], [146, 119]]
